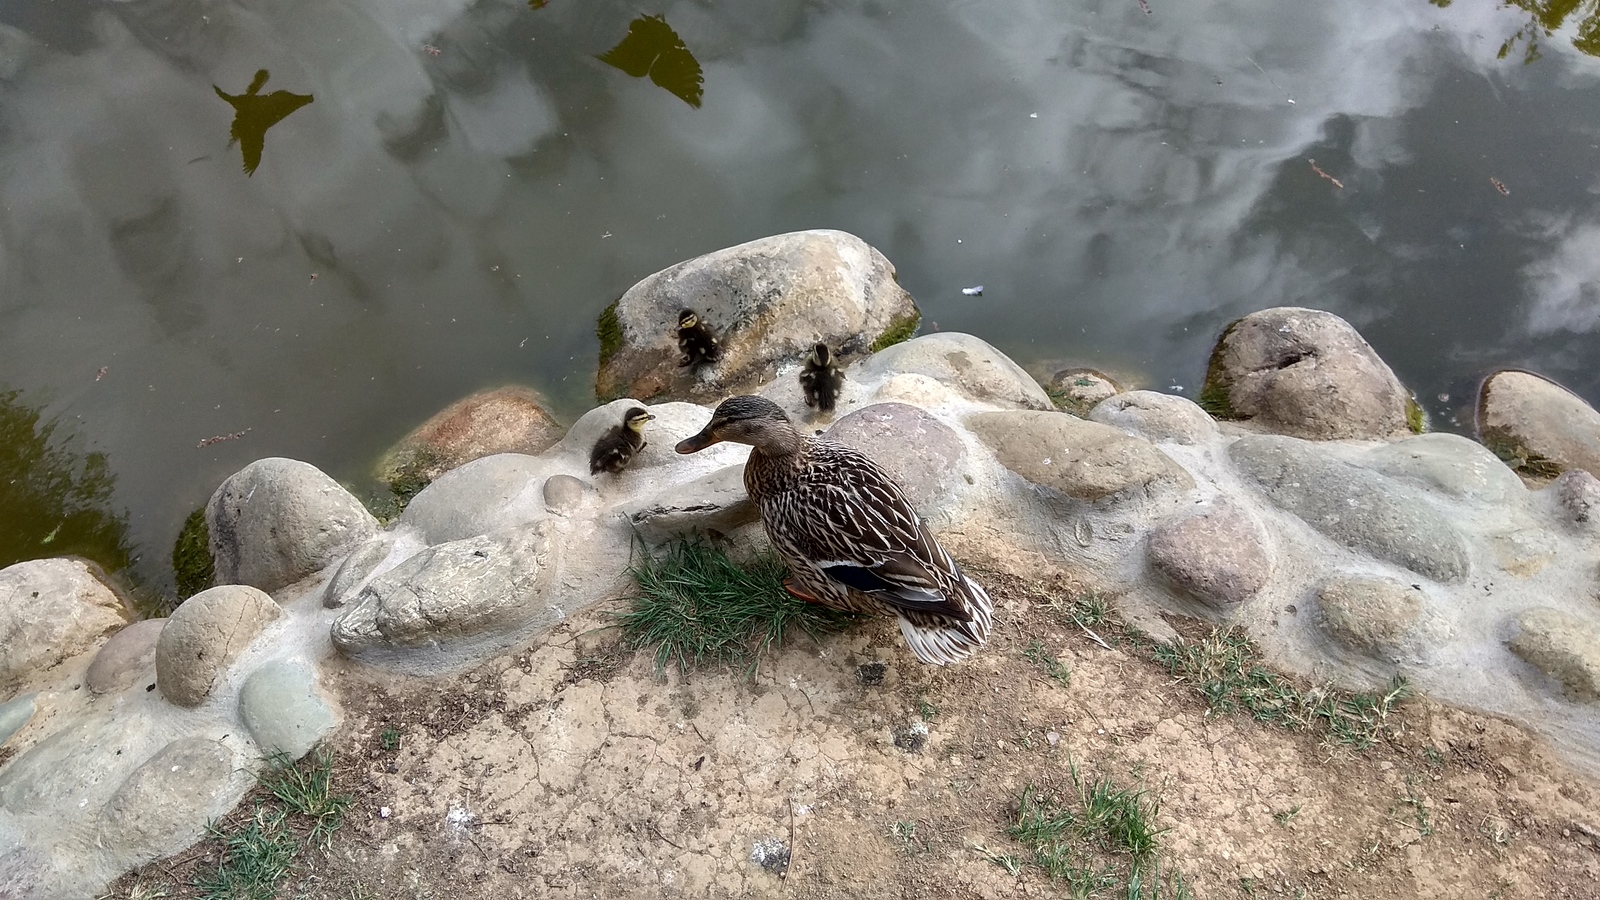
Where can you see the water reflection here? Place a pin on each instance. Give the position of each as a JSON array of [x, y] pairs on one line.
[[254, 113], [55, 501], [652, 48], [1546, 17]]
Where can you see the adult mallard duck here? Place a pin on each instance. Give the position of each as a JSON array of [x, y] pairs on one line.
[[849, 534]]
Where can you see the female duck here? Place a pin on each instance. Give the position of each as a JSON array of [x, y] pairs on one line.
[[850, 536]]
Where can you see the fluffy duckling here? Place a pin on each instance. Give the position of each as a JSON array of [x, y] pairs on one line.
[[848, 532], [821, 379], [696, 340], [616, 448]]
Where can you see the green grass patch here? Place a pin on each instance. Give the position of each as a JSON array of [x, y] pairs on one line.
[[1040, 656], [1096, 837], [1226, 668], [697, 605], [193, 569], [899, 331]]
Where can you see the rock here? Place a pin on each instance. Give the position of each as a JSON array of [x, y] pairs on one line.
[[357, 568], [1218, 554], [1163, 418], [1537, 426], [1378, 617], [1306, 373], [1077, 390], [509, 419], [711, 503], [565, 494], [924, 455], [204, 635], [14, 714], [166, 802], [483, 590], [278, 520], [281, 706], [1578, 492], [963, 363], [1522, 552], [769, 299], [1448, 463], [52, 775], [1354, 506], [51, 610], [484, 495], [129, 654], [1083, 460], [1563, 647]]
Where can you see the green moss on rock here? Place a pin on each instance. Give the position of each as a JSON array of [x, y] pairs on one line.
[[900, 330], [1215, 392], [609, 330], [1415, 420], [193, 569]]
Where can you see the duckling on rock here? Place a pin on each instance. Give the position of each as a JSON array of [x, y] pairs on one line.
[[821, 379], [848, 532], [696, 340], [616, 448]]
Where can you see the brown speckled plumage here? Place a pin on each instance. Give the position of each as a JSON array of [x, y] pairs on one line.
[[850, 536]]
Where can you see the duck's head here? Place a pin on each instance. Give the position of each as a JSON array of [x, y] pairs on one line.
[[756, 421], [820, 356], [688, 319], [636, 417]]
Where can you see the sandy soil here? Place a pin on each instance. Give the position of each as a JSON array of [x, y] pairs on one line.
[[570, 769]]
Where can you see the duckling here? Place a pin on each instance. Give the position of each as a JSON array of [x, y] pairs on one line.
[[821, 379], [616, 448], [697, 341]]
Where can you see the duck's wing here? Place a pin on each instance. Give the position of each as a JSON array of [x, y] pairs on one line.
[[854, 524]]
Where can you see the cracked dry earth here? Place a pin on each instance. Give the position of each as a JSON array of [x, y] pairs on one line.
[[569, 769]]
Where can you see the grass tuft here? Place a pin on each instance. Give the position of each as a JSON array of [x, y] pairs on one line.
[[307, 790], [697, 605], [1226, 668], [1039, 655]]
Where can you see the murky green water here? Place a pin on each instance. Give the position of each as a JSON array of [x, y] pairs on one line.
[[470, 184]]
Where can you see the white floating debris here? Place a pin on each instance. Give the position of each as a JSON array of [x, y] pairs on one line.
[[975, 291], [1033, 115]]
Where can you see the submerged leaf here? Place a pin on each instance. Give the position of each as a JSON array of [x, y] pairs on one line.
[[652, 48]]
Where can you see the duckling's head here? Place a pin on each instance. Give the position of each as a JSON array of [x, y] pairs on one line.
[[688, 319], [756, 421], [820, 356], [636, 417]]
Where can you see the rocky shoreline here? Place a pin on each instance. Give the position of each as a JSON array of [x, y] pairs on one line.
[[1300, 500]]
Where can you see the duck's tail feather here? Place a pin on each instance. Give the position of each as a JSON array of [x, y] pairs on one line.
[[940, 642]]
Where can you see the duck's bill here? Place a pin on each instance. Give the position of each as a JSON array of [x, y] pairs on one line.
[[697, 443]]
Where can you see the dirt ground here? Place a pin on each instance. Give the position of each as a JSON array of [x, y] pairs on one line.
[[571, 769]]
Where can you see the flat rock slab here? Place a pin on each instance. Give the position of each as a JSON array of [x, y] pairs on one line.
[[283, 709], [164, 804], [1162, 418], [1374, 616], [14, 714], [51, 610], [965, 364], [1307, 373], [1217, 554], [126, 656], [1537, 425], [1354, 506], [479, 590], [484, 495], [509, 419], [1083, 460], [204, 635], [769, 300], [278, 520], [716, 502], [1448, 463], [923, 454], [53, 775], [1562, 646]]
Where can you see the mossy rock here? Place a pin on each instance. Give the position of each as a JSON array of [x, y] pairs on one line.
[[1416, 420], [193, 569], [1214, 392], [609, 330], [900, 330]]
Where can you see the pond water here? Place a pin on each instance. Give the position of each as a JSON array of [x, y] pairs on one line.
[[444, 195]]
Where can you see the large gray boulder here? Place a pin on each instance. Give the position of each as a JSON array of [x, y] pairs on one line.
[[1448, 463], [278, 520], [204, 635], [968, 365], [1082, 460], [769, 299], [509, 419], [1216, 554], [1354, 506], [126, 656], [923, 455], [1162, 418], [51, 610], [1306, 373], [481, 591], [1562, 646], [283, 708], [1378, 617], [166, 802], [1538, 426]]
